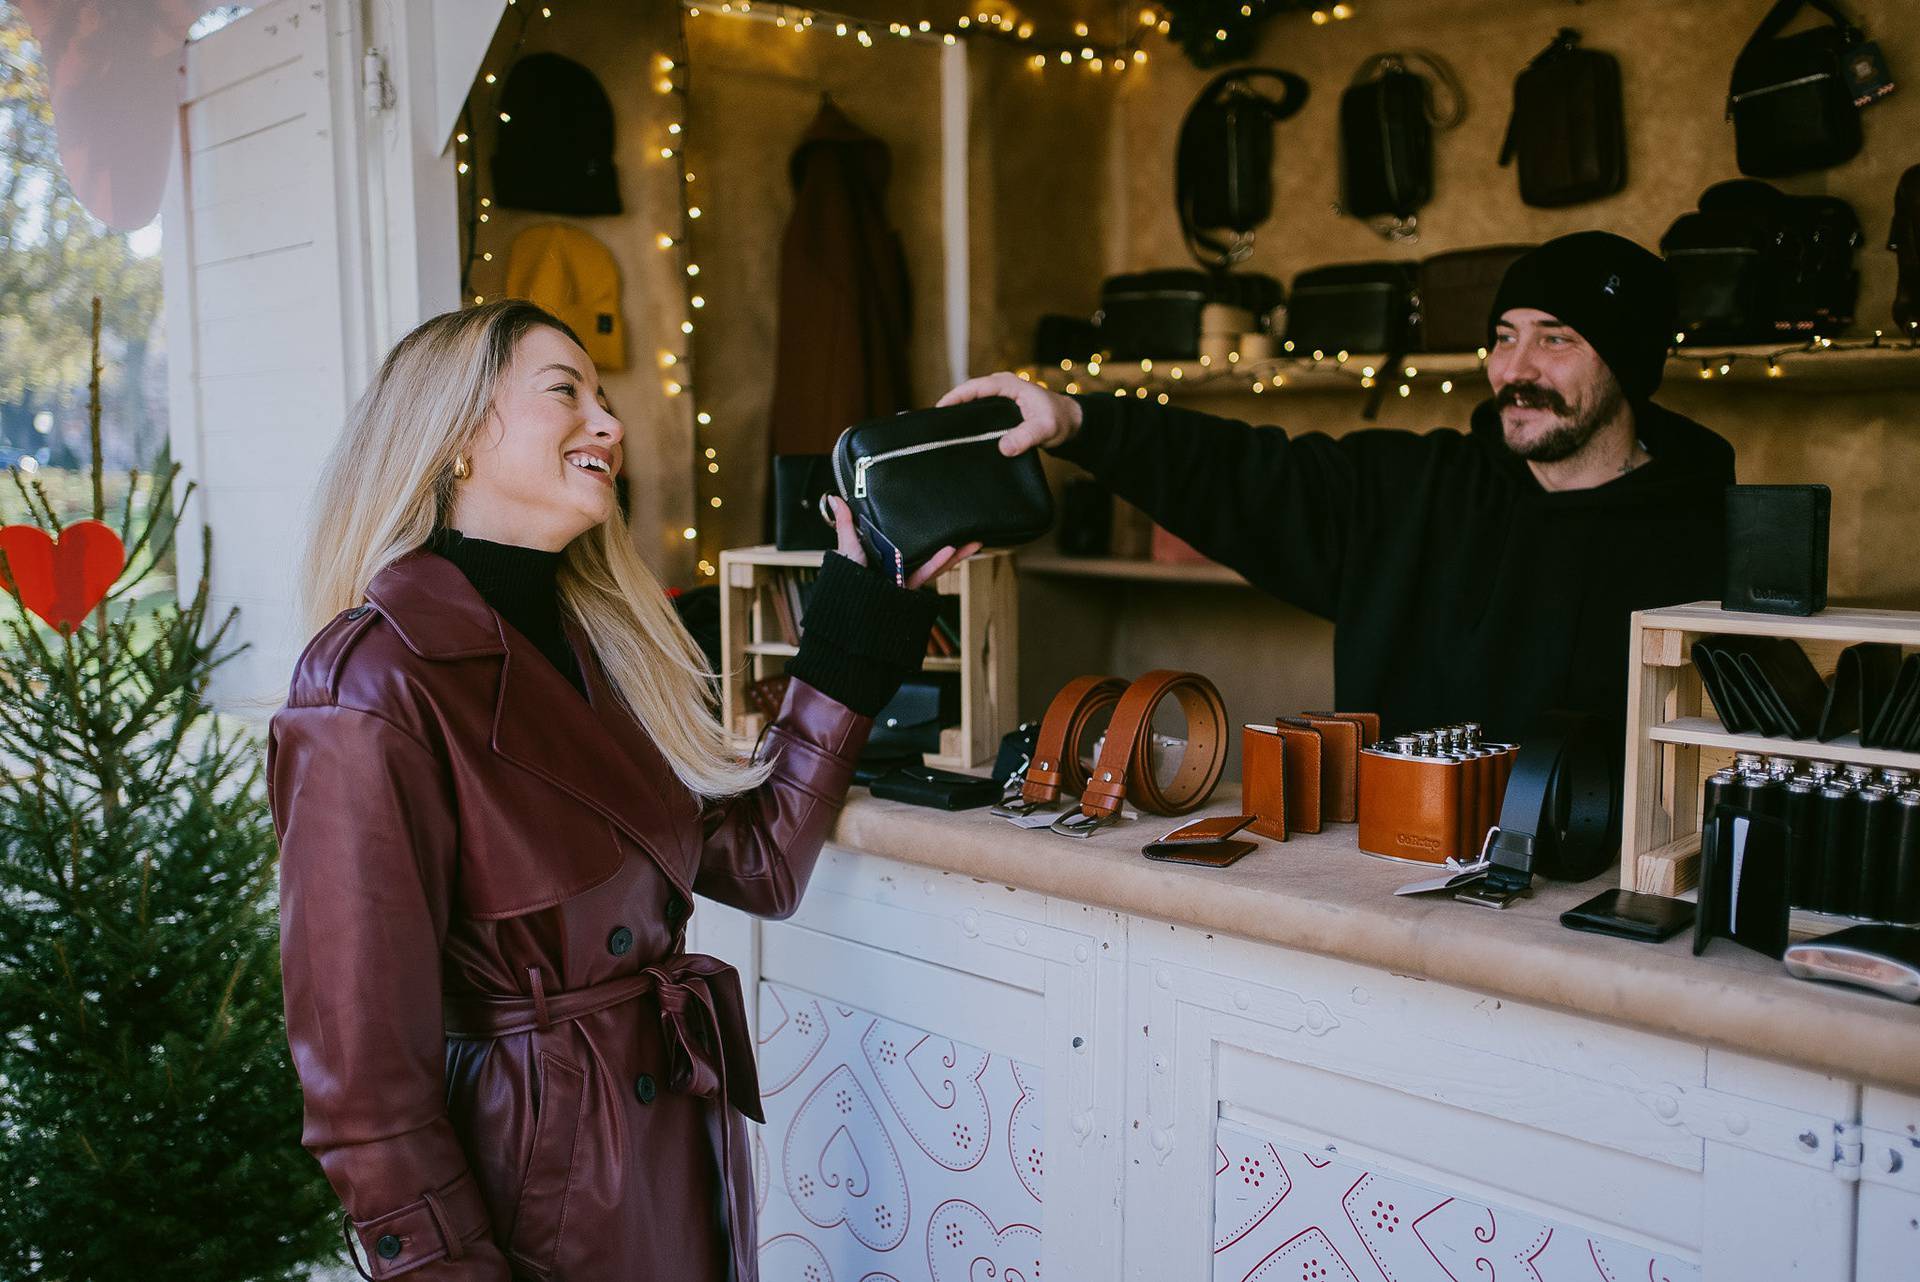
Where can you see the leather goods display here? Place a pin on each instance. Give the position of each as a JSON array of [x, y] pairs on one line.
[[1206, 842], [1560, 812], [1743, 881], [1342, 735], [1755, 264], [1124, 770], [1082, 708], [1790, 99], [1431, 796], [1568, 129], [1903, 239], [1777, 548], [1223, 169], [1456, 293], [1263, 779], [1885, 959], [1159, 315], [938, 789], [925, 704], [1387, 118], [926, 479], [1761, 685], [1862, 682], [1355, 307], [799, 481]]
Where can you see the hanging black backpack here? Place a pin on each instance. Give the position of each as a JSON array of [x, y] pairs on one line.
[[1568, 128], [1790, 101], [1387, 118], [555, 150], [1223, 170]]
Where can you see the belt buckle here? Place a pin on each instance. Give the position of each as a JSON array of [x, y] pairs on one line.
[[1078, 823]]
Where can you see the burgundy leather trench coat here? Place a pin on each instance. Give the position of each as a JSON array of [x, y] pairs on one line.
[[512, 1067]]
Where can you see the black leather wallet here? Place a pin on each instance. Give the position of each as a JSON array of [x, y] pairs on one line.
[[799, 481], [940, 789], [927, 479], [1744, 879], [1898, 724], [1761, 685], [1777, 548], [925, 704], [1862, 683]]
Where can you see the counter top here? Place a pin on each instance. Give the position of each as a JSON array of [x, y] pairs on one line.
[[1318, 893]]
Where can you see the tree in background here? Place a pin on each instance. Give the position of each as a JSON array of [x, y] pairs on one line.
[[54, 257], [149, 1117]]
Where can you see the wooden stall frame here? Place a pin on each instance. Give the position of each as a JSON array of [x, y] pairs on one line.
[[987, 662], [1675, 740]]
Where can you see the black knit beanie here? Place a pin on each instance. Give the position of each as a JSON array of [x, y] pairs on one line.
[[1610, 291]]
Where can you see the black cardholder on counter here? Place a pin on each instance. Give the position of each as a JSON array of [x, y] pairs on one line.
[[925, 704], [926, 479], [938, 789], [799, 481], [1862, 683], [1744, 881], [1631, 915], [1777, 548]]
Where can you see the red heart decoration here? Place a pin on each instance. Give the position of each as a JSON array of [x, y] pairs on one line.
[[62, 582]]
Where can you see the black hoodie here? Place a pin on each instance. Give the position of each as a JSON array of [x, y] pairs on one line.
[[1460, 589]]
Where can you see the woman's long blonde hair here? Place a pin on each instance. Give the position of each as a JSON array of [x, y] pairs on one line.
[[388, 487]]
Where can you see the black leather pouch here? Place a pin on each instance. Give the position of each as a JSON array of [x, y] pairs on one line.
[[939, 789], [911, 722], [1777, 548], [922, 480], [799, 481], [1896, 726], [1743, 881], [1727, 688], [1354, 307], [1789, 100], [1568, 128], [1862, 683]]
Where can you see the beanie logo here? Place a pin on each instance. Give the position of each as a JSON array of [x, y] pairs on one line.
[[1612, 286], [604, 322]]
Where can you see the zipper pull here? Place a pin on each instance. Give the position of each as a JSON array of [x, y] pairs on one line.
[[860, 475]]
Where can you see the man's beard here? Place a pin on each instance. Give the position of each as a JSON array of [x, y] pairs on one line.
[[1570, 435]]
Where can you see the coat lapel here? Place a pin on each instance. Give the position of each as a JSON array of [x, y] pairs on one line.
[[540, 722]]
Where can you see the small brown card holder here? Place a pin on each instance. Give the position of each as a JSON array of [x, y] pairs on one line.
[[1263, 780]]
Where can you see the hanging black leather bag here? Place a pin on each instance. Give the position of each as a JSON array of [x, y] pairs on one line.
[[1568, 129], [1223, 170], [1387, 118], [1756, 265], [1789, 99]]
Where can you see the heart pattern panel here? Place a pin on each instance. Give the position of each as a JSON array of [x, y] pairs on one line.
[[1282, 1215], [891, 1150]]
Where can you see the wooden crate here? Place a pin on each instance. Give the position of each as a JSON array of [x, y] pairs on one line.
[[1675, 740], [751, 648]]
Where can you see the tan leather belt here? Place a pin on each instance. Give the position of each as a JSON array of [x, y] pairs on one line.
[[1056, 769], [1125, 767]]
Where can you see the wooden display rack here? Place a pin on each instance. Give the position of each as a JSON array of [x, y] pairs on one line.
[[1675, 739], [989, 647]]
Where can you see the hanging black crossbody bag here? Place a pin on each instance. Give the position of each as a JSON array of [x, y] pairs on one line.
[[1387, 118], [1223, 170], [1789, 100], [1568, 129]]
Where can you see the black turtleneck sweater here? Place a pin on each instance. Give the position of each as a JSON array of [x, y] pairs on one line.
[[862, 635]]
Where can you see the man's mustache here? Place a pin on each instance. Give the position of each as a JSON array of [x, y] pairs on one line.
[[1538, 395]]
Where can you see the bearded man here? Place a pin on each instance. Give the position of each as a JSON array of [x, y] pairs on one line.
[[1485, 576]]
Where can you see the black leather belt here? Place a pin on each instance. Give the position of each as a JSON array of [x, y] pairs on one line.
[[1561, 814]]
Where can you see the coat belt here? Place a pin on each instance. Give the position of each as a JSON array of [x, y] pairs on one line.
[[703, 1022]]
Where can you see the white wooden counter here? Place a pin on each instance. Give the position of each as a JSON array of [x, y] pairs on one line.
[[993, 1055]]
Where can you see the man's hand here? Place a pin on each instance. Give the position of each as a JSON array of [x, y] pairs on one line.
[[850, 546], [1047, 418]]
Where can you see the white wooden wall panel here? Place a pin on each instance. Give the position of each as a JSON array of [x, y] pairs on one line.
[[265, 275], [1889, 1241]]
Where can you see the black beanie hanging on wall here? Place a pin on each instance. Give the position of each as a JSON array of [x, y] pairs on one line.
[[555, 151], [1610, 291]]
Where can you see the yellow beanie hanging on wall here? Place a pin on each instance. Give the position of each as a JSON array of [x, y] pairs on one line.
[[571, 274]]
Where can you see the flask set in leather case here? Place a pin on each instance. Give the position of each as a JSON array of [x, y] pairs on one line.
[[1124, 769], [1303, 772], [1431, 796], [928, 479], [1852, 843]]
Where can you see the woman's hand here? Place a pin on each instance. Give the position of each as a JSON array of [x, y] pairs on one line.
[[1046, 417], [851, 548]]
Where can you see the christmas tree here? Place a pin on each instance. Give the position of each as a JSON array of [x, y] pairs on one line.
[[149, 1118]]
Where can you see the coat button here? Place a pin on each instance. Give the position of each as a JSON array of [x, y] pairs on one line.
[[388, 1246], [356, 613], [644, 1089], [619, 941], [676, 907]]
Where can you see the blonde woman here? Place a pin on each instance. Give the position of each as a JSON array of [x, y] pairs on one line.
[[498, 783]]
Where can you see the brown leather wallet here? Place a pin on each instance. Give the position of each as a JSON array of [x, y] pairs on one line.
[[1305, 752], [1263, 780], [1125, 767]]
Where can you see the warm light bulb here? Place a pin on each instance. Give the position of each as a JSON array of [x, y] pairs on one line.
[[1139, 55], [487, 257], [704, 418], [485, 203], [693, 211], [1405, 390], [664, 241], [1163, 398], [713, 467], [459, 137], [689, 533], [686, 327], [674, 389], [1446, 385], [1366, 382], [715, 500], [1343, 11], [1147, 18], [491, 78], [1773, 370], [1319, 17], [504, 117], [666, 153], [711, 452], [462, 166], [693, 269], [697, 301]]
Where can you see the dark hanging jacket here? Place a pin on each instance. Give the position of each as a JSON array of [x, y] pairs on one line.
[[1459, 588], [844, 309]]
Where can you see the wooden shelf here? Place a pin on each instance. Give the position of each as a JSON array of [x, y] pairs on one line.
[[1843, 624], [778, 649], [1780, 364], [1131, 569], [1706, 732]]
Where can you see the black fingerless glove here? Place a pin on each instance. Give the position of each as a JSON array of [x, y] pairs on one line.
[[862, 635]]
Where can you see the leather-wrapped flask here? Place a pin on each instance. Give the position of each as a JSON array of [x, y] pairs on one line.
[[1411, 805]]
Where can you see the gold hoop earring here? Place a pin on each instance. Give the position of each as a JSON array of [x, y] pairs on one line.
[[461, 469]]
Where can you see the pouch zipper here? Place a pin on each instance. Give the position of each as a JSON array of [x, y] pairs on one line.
[[865, 461], [1734, 99]]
